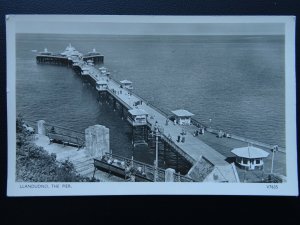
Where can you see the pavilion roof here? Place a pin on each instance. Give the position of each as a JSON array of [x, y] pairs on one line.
[[137, 112], [101, 82], [182, 113], [125, 82], [250, 152]]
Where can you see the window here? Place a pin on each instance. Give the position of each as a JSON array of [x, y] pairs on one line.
[[257, 161], [245, 161], [239, 160]]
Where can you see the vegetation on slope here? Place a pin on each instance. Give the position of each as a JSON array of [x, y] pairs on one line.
[[34, 164]]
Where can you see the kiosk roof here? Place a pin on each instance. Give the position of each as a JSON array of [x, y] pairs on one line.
[[101, 82], [125, 82], [182, 113], [250, 152], [137, 112]]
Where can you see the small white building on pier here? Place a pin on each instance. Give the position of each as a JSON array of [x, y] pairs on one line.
[[127, 84], [101, 85], [45, 52], [182, 117], [250, 157], [103, 71], [137, 117], [85, 70], [94, 52]]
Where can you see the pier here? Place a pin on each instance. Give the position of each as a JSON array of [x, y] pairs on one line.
[[68, 57], [212, 147]]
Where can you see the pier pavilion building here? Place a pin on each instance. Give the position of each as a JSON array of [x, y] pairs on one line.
[[45, 52], [183, 117], [127, 84], [70, 51], [101, 85], [137, 117], [250, 157]]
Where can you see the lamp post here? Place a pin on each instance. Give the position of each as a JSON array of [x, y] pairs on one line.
[[156, 152], [274, 149]]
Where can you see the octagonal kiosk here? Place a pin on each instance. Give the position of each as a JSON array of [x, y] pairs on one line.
[[138, 120], [182, 117], [250, 158]]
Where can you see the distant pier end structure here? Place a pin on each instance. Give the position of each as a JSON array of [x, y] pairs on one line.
[[250, 158], [182, 116], [68, 57]]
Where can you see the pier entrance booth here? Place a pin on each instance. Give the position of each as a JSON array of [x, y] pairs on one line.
[[182, 117], [250, 158]]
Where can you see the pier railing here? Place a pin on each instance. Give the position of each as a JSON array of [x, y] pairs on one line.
[[119, 99], [234, 136], [149, 170], [61, 134], [178, 149]]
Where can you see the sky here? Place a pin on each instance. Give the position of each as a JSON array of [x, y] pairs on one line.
[[150, 26]]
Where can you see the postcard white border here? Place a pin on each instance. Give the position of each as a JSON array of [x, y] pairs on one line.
[[14, 23]]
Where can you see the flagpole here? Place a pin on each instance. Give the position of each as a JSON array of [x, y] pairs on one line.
[[156, 153]]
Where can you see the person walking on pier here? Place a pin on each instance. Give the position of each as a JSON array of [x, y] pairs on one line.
[[183, 139]]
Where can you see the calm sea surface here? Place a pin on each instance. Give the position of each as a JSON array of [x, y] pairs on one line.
[[236, 81]]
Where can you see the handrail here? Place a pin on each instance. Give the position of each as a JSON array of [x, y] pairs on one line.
[[150, 168], [56, 126], [119, 99]]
